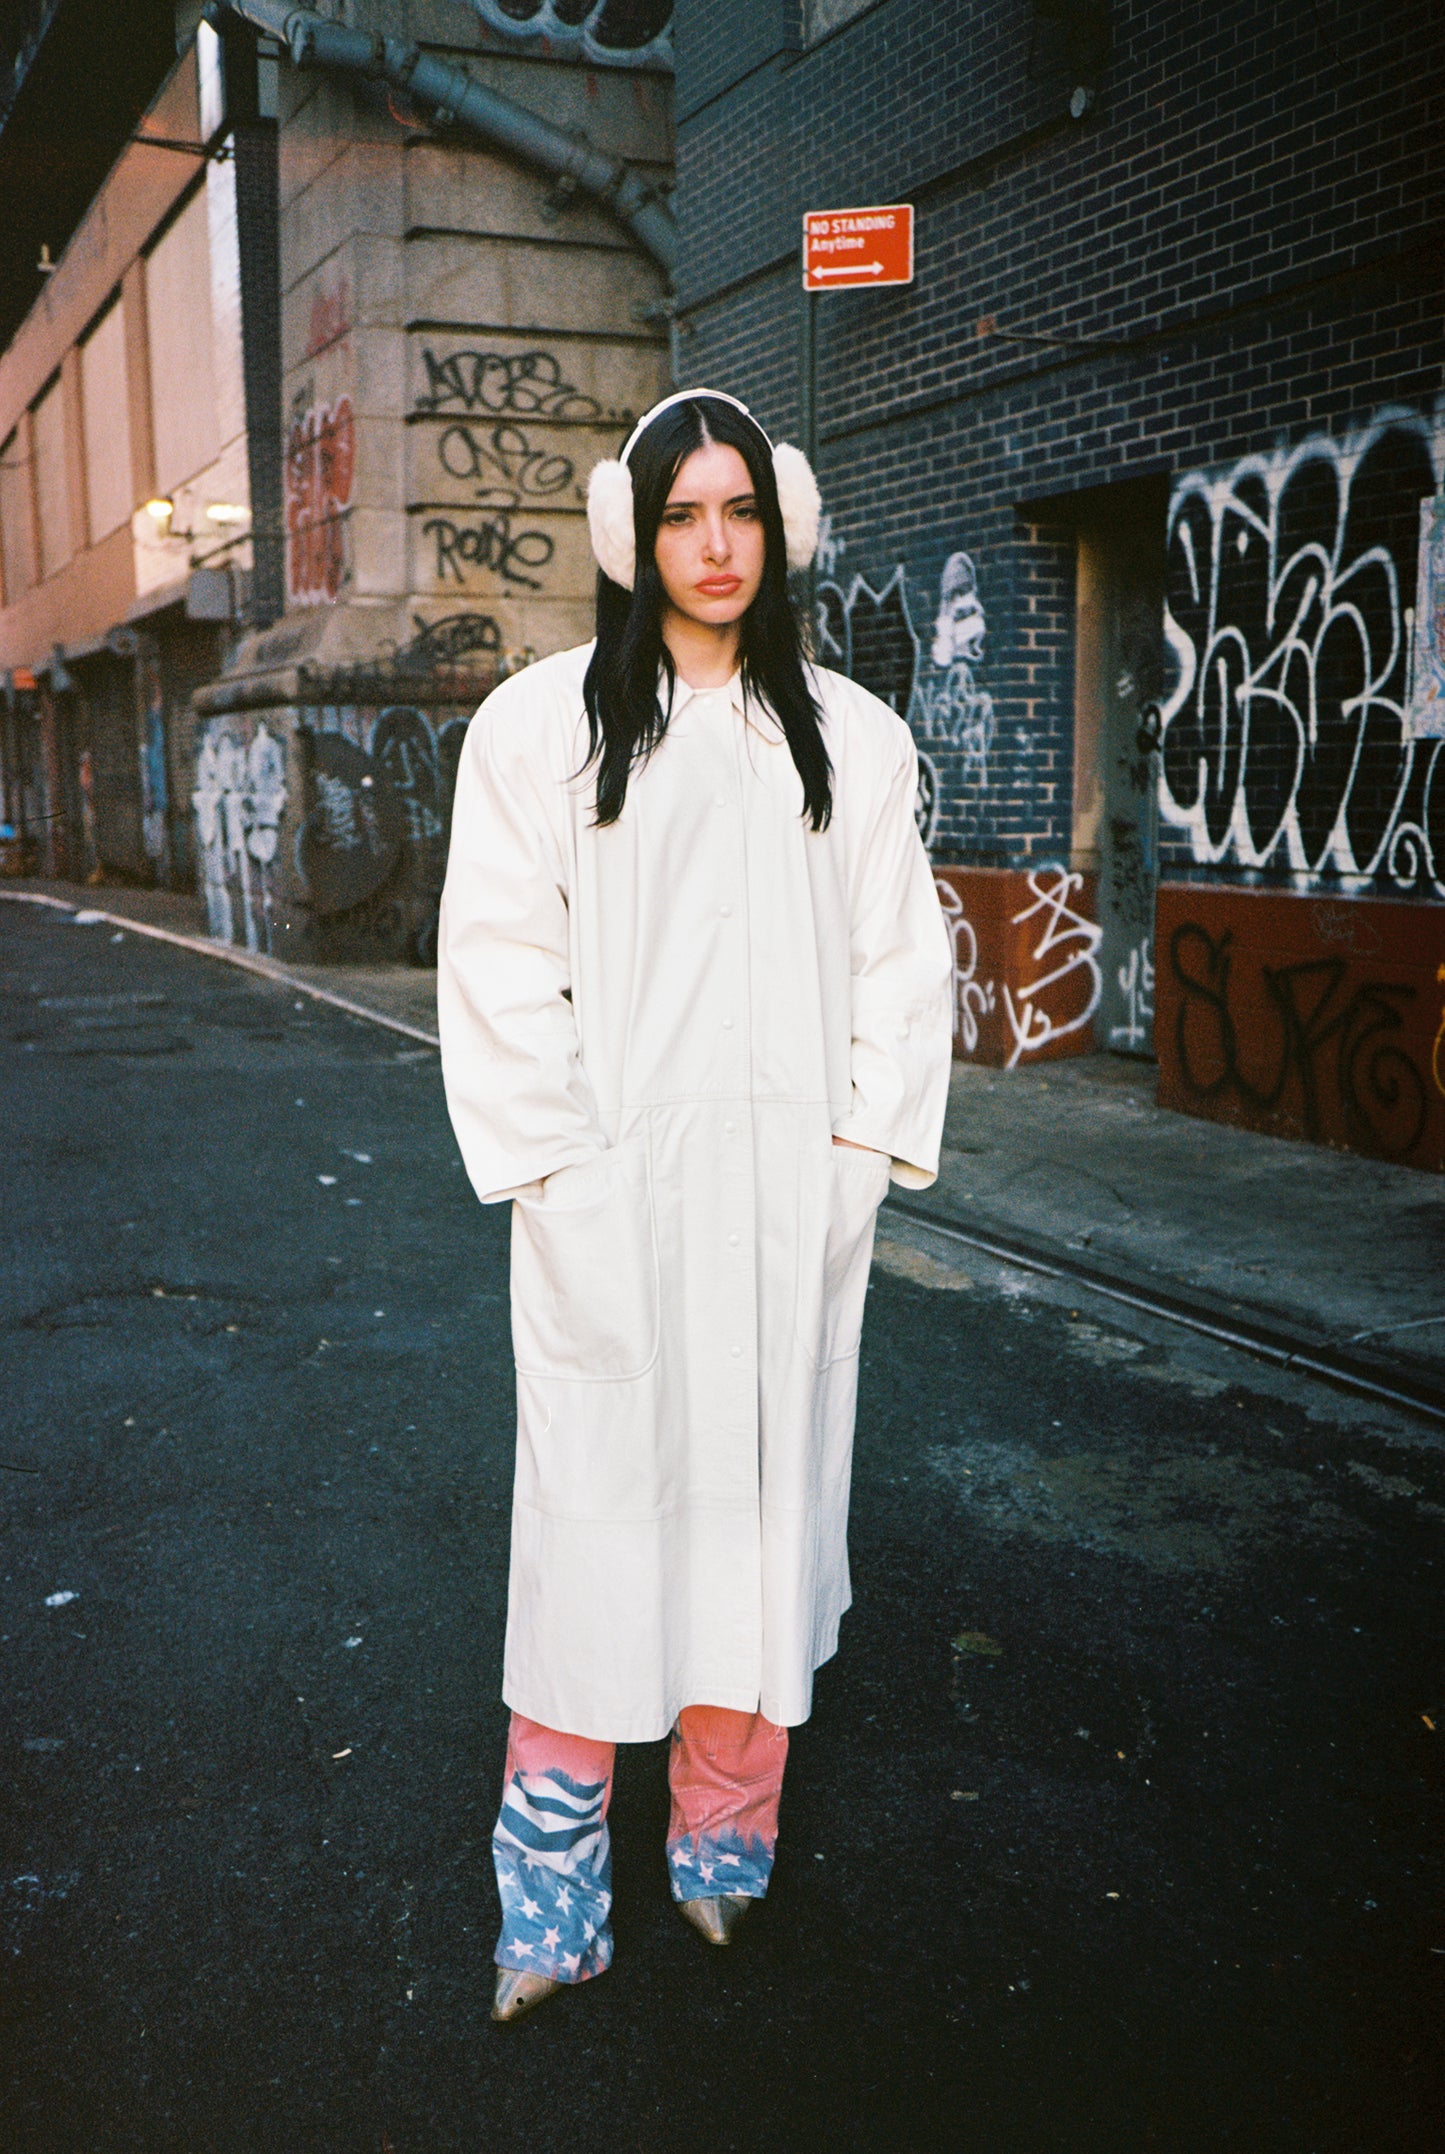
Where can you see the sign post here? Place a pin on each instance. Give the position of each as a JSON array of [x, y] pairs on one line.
[[844, 250]]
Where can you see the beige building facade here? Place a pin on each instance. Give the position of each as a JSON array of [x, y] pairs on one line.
[[459, 337]]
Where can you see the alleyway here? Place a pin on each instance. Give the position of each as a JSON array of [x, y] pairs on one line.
[[1117, 1824]]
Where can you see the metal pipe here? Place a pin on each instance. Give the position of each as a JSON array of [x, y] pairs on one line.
[[455, 96]]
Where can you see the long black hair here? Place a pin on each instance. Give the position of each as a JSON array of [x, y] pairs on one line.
[[626, 718]]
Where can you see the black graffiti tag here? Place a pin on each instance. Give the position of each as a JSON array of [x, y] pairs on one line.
[[490, 543], [526, 385], [1382, 1094], [448, 642], [501, 464]]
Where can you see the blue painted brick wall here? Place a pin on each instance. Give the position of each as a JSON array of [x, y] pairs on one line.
[[1244, 235]]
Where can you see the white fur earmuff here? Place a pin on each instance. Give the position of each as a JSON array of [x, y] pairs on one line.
[[799, 500], [609, 497], [609, 521]]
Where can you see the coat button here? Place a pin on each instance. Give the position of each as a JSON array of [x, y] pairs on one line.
[[736, 1352], [730, 1129], [720, 800], [727, 1024], [726, 911], [732, 1241]]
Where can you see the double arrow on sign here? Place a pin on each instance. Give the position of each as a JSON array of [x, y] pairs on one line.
[[850, 269]]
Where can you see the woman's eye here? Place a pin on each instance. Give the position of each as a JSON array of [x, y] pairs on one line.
[[747, 511], [677, 517]]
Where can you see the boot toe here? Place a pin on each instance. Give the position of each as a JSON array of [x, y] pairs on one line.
[[716, 1918], [520, 1992]]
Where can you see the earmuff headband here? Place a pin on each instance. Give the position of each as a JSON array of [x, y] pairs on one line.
[[610, 523]]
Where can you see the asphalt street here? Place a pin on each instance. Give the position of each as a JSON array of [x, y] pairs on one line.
[[1117, 1824]]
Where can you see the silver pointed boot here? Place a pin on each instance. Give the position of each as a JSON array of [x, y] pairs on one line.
[[716, 1918], [519, 1993]]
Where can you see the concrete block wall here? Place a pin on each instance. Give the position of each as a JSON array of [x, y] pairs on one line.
[[460, 348]]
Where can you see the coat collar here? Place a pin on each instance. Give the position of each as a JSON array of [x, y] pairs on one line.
[[757, 713]]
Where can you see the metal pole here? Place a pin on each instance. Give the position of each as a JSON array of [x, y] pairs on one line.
[[808, 428]]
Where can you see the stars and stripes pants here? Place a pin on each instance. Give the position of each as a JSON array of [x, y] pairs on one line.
[[553, 1856]]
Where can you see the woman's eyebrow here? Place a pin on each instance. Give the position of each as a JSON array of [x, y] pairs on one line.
[[732, 502]]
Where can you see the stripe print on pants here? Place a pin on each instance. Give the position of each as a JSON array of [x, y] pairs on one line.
[[553, 1860], [551, 1846]]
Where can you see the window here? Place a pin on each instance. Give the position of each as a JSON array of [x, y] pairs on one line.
[[17, 521], [106, 407], [178, 311], [52, 481]]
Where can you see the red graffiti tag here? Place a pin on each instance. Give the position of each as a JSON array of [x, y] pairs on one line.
[[330, 318], [320, 467]]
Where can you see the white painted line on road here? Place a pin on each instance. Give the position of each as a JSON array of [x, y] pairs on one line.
[[249, 961]]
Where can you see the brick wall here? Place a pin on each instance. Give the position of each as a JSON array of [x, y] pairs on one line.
[[1234, 256]]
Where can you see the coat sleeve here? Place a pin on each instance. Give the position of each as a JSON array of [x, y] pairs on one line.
[[902, 983], [520, 1101]]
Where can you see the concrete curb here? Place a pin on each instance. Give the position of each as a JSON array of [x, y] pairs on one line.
[[248, 960], [1366, 1375]]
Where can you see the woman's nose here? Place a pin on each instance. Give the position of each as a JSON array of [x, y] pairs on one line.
[[715, 543]]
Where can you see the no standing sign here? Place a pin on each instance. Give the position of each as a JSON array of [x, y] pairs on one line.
[[848, 249]]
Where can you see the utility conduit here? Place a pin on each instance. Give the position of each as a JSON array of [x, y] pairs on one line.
[[455, 95]]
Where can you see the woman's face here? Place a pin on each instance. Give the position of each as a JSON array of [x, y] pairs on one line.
[[710, 540]]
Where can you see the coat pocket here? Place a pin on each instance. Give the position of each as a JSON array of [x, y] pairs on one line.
[[584, 1271], [831, 1306]]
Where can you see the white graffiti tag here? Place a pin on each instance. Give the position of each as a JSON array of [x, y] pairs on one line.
[[1136, 985], [239, 799], [1286, 739], [1068, 946], [949, 705], [972, 997]]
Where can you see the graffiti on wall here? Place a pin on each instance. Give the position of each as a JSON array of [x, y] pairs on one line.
[[374, 842], [518, 385], [1059, 997], [867, 632], [1329, 1028], [501, 467], [1305, 1016], [239, 799], [609, 33], [320, 471], [949, 706], [1135, 976], [1026, 977], [1286, 735], [973, 998], [330, 318], [490, 450], [488, 542], [154, 785]]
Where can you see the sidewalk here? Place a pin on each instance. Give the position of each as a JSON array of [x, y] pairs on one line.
[[1330, 1253], [1314, 1253]]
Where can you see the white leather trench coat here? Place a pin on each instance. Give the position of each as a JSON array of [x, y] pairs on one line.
[[650, 1035]]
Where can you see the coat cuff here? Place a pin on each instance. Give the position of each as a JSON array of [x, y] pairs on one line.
[[907, 1173]]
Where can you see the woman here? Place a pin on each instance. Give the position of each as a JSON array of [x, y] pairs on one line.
[[694, 987]]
